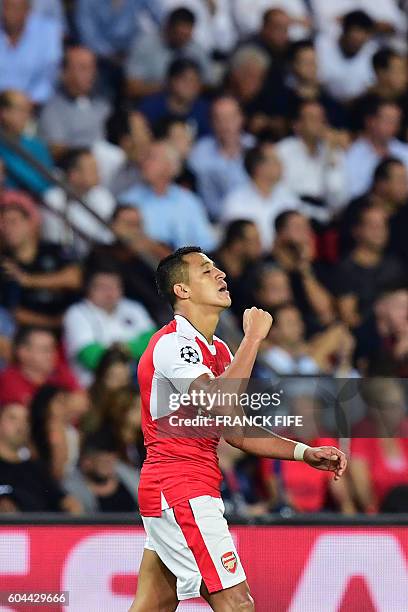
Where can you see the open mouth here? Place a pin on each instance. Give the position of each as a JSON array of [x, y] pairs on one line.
[[223, 289]]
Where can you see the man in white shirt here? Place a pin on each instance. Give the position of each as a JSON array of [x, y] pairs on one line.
[[378, 140], [81, 173], [264, 196], [313, 163], [103, 318], [345, 64], [389, 18]]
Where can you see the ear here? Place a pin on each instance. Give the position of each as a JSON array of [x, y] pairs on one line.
[[181, 291]]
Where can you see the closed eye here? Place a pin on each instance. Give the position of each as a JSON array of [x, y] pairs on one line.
[[207, 271]]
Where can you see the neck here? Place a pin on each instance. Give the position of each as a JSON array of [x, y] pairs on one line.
[[202, 319], [263, 185], [380, 147], [230, 146], [366, 257], [160, 186], [8, 454], [33, 376], [15, 34], [311, 144]]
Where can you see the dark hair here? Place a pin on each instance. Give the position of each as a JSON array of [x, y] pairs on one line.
[[357, 19], [297, 47], [253, 157], [23, 334], [276, 310], [70, 160], [282, 219], [100, 441], [235, 231], [180, 15], [110, 357], [382, 170], [162, 128], [119, 209], [382, 58], [374, 105], [71, 46], [102, 266], [171, 270], [297, 108], [260, 273], [270, 12], [39, 417], [118, 126], [181, 65], [5, 99]]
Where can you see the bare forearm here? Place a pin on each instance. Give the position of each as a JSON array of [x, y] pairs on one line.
[[318, 297], [271, 446], [68, 278]]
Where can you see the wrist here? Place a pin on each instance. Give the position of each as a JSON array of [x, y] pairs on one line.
[[299, 451]]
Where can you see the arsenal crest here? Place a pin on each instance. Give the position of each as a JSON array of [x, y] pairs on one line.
[[229, 561]]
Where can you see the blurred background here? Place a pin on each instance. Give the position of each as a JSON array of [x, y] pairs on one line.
[[273, 134]]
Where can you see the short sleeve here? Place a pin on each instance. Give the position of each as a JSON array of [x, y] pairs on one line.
[[179, 360]]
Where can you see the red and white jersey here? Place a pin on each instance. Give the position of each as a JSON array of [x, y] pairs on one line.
[[177, 469]]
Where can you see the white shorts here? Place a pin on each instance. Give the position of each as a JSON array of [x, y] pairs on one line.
[[193, 541]]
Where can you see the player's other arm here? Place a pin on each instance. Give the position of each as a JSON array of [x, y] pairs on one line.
[[327, 458]]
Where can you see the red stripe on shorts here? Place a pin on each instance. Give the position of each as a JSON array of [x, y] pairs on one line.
[[187, 523]]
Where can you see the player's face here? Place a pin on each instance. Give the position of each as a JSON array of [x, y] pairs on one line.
[[206, 282]]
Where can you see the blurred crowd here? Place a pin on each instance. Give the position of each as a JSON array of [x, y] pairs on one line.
[[273, 134]]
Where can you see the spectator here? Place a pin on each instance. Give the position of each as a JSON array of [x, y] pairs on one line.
[[214, 28], [180, 99], [312, 160], [30, 50], [264, 196], [294, 252], [382, 122], [82, 175], [391, 85], [114, 373], [36, 362], [237, 256], [271, 287], [25, 481], [108, 28], [171, 214], [55, 439], [389, 191], [301, 84], [180, 135], [15, 114], [367, 269], [84, 113], [151, 54], [273, 37], [248, 15], [247, 71], [218, 160], [382, 342], [129, 131], [136, 257], [102, 483], [345, 66], [103, 318], [289, 482], [287, 352], [40, 280], [379, 447], [388, 18]]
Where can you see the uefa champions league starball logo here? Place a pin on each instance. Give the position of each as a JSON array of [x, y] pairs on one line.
[[189, 354]]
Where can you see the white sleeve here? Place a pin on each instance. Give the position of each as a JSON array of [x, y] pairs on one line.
[[78, 331], [179, 360]]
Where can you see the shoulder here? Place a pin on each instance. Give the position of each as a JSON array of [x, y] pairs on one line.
[[206, 144], [287, 145]]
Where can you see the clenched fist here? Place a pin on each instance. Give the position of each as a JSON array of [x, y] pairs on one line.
[[256, 323]]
